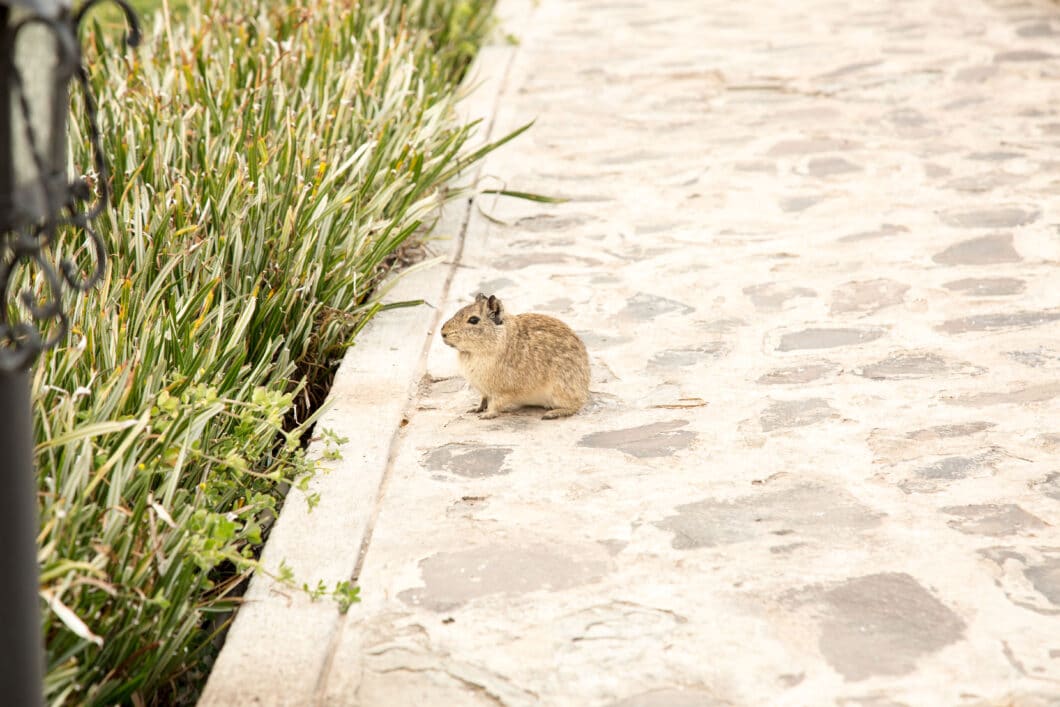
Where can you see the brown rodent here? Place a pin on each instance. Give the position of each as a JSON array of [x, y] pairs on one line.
[[519, 359]]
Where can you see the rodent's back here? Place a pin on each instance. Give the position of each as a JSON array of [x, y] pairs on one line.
[[541, 350], [540, 331]]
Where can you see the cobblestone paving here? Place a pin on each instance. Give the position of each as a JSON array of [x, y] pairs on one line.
[[812, 248]]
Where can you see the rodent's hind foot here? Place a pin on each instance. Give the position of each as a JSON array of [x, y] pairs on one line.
[[559, 412], [488, 415]]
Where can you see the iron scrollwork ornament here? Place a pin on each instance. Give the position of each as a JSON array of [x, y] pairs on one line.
[[69, 205]]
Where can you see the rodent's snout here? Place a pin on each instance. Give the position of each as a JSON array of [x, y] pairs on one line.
[[445, 338]]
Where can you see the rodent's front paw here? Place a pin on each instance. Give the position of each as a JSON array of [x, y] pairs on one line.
[[488, 415]]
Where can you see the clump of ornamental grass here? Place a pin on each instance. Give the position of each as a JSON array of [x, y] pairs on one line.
[[268, 160]]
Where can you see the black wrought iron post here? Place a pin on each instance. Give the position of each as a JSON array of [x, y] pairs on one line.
[[39, 204], [21, 655]]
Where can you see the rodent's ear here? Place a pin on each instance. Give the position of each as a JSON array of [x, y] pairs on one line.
[[496, 309], [479, 297]]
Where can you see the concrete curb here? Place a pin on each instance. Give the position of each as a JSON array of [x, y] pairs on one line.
[[280, 646]]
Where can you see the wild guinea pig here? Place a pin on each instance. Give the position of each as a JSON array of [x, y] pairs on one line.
[[514, 360]]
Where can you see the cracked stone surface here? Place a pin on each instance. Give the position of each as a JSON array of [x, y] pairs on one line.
[[468, 460], [812, 249], [881, 625]]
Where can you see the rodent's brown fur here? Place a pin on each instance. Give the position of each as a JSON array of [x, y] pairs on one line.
[[516, 360]]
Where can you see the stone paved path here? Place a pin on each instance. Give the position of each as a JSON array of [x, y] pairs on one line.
[[812, 248]]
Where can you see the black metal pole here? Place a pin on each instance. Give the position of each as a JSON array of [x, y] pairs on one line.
[[21, 643]]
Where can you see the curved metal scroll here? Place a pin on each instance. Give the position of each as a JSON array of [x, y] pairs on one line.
[[22, 340]]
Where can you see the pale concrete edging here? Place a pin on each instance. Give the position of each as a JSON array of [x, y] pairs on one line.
[[279, 648]]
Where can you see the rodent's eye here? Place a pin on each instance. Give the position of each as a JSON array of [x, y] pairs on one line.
[[473, 320]]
